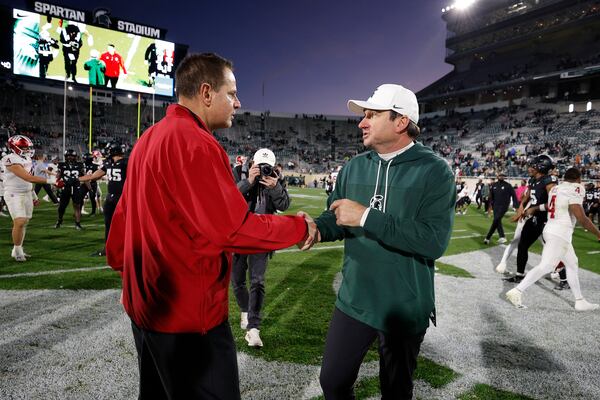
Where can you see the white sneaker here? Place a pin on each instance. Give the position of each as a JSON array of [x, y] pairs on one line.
[[253, 338], [244, 320], [13, 254], [584, 305], [514, 296], [502, 240], [555, 276], [501, 268], [83, 212]]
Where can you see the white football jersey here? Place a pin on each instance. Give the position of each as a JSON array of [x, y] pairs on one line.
[[12, 183], [560, 221]]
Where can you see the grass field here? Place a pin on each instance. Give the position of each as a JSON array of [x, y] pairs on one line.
[[299, 296]]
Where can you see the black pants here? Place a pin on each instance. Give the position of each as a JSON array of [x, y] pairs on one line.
[[109, 209], [48, 189], [92, 191], [113, 81], [187, 366], [250, 301], [532, 230], [497, 223], [68, 192], [348, 341], [478, 200]]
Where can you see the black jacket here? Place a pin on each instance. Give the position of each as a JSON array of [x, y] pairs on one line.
[[501, 193], [276, 199]]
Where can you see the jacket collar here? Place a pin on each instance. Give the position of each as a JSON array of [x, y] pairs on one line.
[[180, 111]]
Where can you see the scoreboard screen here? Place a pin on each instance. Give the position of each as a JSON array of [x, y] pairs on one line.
[[51, 48]]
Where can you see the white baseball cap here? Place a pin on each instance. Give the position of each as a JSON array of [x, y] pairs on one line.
[[264, 156], [389, 97]]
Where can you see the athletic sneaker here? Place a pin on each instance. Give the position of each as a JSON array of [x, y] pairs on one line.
[[244, 320], [99, 253], [562, 285], [555, 276], [584, 305], [501, 268], [253, 338], [515, 278], [78, 226], [20, 258], [502, 240], [83, 212], [58, 224], [486, 241], [514, 296], [13, 253]]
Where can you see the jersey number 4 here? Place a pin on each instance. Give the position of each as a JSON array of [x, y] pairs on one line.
[[552, 206]]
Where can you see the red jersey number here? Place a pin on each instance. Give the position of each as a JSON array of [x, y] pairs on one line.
[[551, 206]]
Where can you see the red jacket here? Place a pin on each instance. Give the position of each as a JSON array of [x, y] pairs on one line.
[[176, 224], [113, 63]]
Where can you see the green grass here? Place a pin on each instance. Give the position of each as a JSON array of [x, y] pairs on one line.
[[451, 270], [299, 295], [486, 392]]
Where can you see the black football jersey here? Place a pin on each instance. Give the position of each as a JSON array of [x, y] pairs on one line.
[[90, 168], [597, 195], [539, 194], [590, 196], [116, 172], [70, 172]]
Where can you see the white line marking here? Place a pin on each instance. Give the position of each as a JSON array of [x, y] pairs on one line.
[[58, 271], [593, 252]]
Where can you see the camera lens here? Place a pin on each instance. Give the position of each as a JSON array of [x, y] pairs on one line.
[[266, 170]]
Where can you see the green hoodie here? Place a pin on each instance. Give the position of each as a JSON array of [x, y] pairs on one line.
[[389, 263]]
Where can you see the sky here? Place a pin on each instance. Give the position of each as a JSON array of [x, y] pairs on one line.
[[310, 56]]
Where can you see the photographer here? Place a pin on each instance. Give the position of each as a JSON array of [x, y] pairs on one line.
[[264, 194]]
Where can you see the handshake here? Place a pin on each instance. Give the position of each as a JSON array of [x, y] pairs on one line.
[[312, 236], [347, 212]]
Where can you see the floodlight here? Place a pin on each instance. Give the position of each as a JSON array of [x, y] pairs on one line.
[[571, 107], [588, 106], [463, 4]]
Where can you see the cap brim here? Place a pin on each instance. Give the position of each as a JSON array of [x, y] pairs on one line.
[[359, 107]]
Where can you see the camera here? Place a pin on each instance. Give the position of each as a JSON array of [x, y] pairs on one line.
[[266, 170]]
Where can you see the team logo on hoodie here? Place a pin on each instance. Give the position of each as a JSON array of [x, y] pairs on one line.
[[376, 202]]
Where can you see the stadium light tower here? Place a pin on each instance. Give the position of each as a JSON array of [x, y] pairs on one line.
[[463, 4]]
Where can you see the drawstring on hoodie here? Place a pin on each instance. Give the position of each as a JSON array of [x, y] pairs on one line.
[[387, 174]]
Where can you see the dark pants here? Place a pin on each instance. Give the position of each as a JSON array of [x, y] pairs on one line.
[[38, 187], [250, 301], [69, 192], [531, 232], [478, 200], [92, 191], [348, 341], [113, 81], [109, 209], [497, 223], [187, 366]]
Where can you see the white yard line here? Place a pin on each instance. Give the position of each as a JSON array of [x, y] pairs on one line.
[[58, 271]]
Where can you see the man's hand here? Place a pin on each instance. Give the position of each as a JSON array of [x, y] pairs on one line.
[[347, 212], [51, 180], [253, 173], [313, 236], [36, 202], [268, 181]]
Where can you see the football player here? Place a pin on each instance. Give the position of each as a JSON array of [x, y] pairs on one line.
[[116, 170], [565, 207], [18, 189], [69, 172], [539, 186], [89, 188]]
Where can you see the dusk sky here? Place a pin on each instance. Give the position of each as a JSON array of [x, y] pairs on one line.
[[310, 55]]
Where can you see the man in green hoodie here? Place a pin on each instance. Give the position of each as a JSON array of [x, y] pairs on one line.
[[394, 207]]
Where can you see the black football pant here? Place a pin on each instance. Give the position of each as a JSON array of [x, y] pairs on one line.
[[250, 301], [347, 343], [109, 209], [530, 233], [38, 187], [497, 223], [187, 366], [68, 193], [92, 194]]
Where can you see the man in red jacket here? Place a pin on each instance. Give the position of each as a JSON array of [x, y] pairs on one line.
[[173, 248], [114, 64]]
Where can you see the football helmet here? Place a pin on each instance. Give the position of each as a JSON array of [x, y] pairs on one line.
[[115, 149], [542, 163], [87, 157], [21, 145], [70, 155]]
